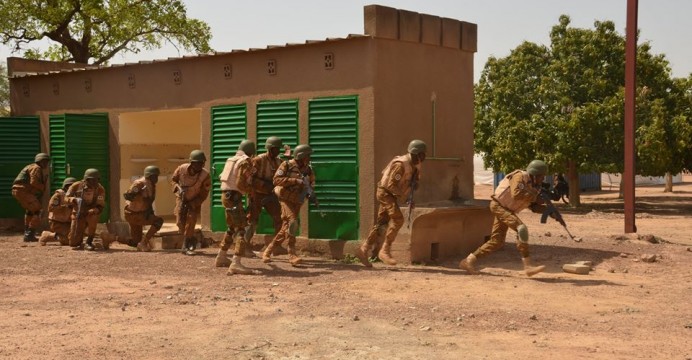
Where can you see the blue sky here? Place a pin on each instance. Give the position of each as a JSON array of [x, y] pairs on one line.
[[502, 24]]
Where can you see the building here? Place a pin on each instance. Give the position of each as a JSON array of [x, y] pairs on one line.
[[357, 101]]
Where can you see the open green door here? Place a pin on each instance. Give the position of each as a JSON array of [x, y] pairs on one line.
[[20, 141], [228, 129], [275, 118], [333, 136], [79, 142]]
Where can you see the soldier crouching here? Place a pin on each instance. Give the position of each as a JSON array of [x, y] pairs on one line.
[[59, 212], [88, 199]]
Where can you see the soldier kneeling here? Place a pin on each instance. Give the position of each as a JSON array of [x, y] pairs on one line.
[[59, 211]]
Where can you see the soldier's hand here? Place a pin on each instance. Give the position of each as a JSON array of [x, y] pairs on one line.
[[93, 212]]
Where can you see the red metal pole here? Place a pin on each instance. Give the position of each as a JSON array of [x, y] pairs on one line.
[[630, 86]]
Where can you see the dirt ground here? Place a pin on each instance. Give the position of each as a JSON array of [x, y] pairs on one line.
[[63, 304]]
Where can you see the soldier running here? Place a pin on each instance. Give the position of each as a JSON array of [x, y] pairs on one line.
[[293, 180], [517, 191], [236, 181], [139, 209], [192, 184], [59, 212], [396, 184], [264, 167], [88, 199], [28, 189]]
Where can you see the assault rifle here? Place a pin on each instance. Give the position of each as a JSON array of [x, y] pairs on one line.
[[183, 203], [310, 194], [551, 211], [409, 200]]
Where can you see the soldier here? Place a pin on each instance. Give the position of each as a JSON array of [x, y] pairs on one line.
[[517, 191], [88, 199], [139, 209], [28, 189], [399, 179], [59, 211], [294, 181], [191, 185], [264, 167], [236, 181]]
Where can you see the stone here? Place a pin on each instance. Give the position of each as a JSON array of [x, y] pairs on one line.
[[648, 258], [585, 263], [576, 269]]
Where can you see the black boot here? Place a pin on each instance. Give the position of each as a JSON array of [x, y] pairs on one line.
[[89, 243], [190, 245], [29, 235]]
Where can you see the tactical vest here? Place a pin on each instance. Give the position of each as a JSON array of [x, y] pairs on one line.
[[265, 168], [191, 184], [231, 171], [23, 179], [503, 193], [403, 187], [91, 197], [145, 193], [58, 207]]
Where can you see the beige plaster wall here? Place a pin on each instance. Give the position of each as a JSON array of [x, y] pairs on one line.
[[426, 92], [161, 138]]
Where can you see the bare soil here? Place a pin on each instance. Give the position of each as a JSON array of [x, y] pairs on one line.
[[62, 304]]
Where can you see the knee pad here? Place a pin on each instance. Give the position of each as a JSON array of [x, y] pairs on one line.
[[158, 223], [293, 228], [523, 234]]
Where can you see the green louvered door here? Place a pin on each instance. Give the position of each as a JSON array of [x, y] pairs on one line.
[[333, 134], [79, 142], [20, 141], [275, 118], [228, 129]]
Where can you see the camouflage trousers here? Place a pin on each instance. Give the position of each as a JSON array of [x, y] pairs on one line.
[[87, 222], [138, 220], [289, 226], [504, 219], [186, 217], [270, 203], [59, 232], [236, 221], [32, 206], [388, 215]]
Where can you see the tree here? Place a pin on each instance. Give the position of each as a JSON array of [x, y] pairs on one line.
[[83, 30], [565, 104], [4, 91]]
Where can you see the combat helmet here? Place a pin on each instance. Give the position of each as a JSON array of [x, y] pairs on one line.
[[197, 156], [416, 147], [68, 181], [92, 174], [40, 157], [151, 170], [302, 151], [248, 147], [273, 142], [537, 168]]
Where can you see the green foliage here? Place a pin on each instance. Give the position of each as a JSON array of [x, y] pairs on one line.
[[96, 29], [565, 104], [4, 91]]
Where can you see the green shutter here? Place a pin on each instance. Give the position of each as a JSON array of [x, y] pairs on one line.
[[20, 141], [333, 136], [79, 142], [275, 118], [228, 129]]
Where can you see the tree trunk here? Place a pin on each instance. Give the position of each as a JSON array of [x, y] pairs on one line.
[[669, 183], [573, 179]]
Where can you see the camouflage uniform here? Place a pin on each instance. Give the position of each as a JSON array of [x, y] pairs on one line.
[[139, 212], [262, 195], [394, 186], [28, 189], [196, 188], [291, 191], [517, 191], [236, 181], [514, 194], [59, 213], [93, 202]]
